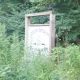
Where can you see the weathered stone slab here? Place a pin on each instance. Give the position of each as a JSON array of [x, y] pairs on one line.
[[40, 37]]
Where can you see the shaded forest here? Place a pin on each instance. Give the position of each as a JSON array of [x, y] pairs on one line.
[[67, 13], [64, 61]]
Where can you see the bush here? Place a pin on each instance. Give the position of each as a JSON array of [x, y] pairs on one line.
[[11, 52], [61, 64]]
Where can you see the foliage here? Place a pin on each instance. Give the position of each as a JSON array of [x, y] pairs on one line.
[[67, 16], [11, 52], [68, 62], [61, 64], [12, 14]]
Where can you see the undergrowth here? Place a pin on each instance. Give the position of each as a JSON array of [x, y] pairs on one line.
[[61, 64]]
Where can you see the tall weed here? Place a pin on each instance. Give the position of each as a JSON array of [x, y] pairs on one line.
[[61, 64]]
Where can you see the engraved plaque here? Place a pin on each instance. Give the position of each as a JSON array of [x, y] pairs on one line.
[[39, 38]]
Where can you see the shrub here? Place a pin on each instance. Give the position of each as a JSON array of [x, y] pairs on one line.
[[11, 52], [62, 64]]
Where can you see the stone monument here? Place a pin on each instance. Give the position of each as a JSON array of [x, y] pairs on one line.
[[40, 37]]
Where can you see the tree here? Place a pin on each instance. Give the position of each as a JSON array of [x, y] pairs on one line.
[[67, 16]]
